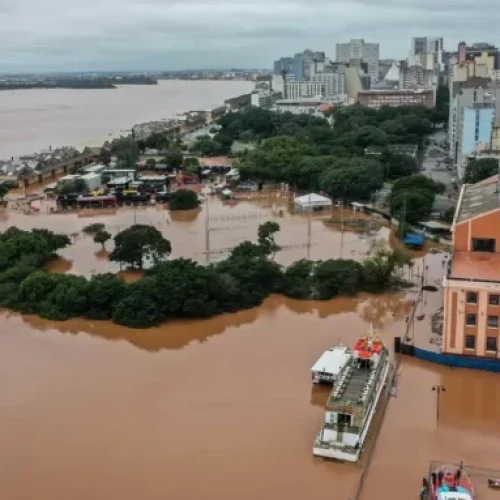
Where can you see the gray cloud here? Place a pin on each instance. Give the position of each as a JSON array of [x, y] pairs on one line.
[[175, 34]]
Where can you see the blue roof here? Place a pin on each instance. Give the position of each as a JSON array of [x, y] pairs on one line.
[[413, 239]]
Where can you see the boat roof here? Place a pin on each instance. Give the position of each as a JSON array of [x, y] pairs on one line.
[[333, 360]]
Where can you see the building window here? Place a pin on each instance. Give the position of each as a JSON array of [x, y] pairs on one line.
[[492, 321], [483, 245], [494, 300], [471, 320], [470, 341], [491, 344], [471, 298]]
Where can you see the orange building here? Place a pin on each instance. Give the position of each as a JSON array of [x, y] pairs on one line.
[[472, 282]]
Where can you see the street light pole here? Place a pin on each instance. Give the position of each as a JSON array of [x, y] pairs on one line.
[[439, 389]]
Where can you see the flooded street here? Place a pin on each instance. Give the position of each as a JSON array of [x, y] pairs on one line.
[[222, 408]]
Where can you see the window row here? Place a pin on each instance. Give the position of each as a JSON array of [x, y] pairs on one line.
[[491, 343], [493, 299], [471, 320]]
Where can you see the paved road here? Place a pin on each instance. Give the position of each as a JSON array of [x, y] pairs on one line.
[[433, 166]]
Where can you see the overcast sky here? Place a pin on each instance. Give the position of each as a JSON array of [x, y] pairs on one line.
[[72, 35]]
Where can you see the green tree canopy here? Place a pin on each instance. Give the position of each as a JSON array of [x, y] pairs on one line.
[[174, 158], [353, 179], [183, 199], [101, 237], [480, 169], [73, 186], [139, 242]]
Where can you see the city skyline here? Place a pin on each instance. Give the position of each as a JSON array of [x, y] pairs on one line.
[[152, 35]]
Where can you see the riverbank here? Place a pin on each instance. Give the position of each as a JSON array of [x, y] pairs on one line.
[[78, 83]]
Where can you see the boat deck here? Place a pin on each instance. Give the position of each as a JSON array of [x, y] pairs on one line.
[[355, 384]]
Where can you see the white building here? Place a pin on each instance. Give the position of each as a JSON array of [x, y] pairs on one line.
[[359, 49], [299, 90], [334, 84], [264, 98]]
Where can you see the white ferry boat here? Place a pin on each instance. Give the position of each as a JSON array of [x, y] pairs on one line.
[[358, 385]]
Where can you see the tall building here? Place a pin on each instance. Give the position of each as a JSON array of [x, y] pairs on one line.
[[427, 52], [474, 113], [471, 286], [484, 53], [359, 49], [283, 64], [416, 76]]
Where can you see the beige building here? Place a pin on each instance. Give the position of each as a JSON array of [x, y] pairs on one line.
[[472, 282]]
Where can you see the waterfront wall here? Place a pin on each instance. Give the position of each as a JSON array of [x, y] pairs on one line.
[[452, 360]]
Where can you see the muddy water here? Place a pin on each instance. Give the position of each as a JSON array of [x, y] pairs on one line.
[[229, 225], [221, 408], [217, 409]]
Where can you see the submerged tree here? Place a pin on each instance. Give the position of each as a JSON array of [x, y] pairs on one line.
[[266, 239], [101, 237], [140, 242]]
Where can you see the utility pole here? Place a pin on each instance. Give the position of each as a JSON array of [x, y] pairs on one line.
[[207, 230], [438, 389], [309, 228]]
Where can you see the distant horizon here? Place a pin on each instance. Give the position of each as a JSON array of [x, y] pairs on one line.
[[125, 72]]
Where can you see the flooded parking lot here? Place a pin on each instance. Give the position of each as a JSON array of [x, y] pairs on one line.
[[222, 408]]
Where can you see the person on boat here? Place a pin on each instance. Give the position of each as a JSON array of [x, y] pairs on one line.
[[434, 479], [458, 475], [440, 477]]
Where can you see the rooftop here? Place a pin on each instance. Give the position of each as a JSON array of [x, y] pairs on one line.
[[477, 199], [475, 266], [220, 161]]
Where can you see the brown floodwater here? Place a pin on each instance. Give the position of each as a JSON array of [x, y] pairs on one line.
[[221, 408]]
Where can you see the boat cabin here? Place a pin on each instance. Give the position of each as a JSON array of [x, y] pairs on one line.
[[331, 363]]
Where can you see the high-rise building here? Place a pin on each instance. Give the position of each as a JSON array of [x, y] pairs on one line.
[[474, 113], [427, 52], [283, 64], [359, 49]]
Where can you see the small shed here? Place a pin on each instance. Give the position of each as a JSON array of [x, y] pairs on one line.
[[312, 201], [414, 241]]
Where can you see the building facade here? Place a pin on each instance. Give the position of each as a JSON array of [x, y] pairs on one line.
[[397, 97], [359, 49], [474, 114], [427, 52], [334, 84], [265, 98], [300, 90], [471, 287]]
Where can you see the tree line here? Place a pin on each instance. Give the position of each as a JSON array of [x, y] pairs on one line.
[[178, 288], [309, 153]]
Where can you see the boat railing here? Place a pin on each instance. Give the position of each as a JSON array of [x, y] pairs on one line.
[[345, 448]]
